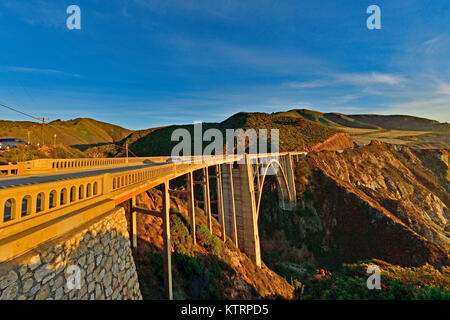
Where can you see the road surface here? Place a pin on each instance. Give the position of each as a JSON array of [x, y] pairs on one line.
[[9, 182]]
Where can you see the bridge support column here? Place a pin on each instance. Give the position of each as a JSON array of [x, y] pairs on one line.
[[228, 203], [220, 207], [291, 179], [133, 223], [166, 246], [246, 215], [207, 198], [191, 199]]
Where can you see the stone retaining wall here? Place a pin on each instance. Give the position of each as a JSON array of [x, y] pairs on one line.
[[98, 255]]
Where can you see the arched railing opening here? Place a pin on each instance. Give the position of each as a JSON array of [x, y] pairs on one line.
[[52, 200], [26, 206], [9, 210], [40, 201]]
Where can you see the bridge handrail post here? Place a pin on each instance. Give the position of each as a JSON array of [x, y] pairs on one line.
[[107, 183]]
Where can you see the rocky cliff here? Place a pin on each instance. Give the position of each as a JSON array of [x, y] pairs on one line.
[[382, 201]]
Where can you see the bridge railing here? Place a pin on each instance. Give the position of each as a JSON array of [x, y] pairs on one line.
[[82, 163], [122, 180], [23, 203], [11, 169], [30, 201], [55, 165]]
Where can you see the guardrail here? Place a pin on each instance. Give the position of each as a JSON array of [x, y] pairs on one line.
[[11, 169], [30, 201], [55, 165]]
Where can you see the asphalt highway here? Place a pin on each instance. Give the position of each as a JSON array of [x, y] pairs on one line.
[[10, 182]]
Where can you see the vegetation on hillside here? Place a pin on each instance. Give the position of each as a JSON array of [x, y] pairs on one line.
[[26, 153], [369, 121], [349, 282], [294, 134], [81, 132]]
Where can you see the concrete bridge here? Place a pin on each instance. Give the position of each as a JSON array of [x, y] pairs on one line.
[[48, 198]]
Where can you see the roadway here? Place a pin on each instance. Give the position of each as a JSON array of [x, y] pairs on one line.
[[16, 181]]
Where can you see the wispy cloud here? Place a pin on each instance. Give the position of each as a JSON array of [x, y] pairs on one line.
[[41, 71], [435, 45], [220, 54], [353, 79]]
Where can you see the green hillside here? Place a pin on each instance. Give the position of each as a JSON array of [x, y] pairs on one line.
[[295, 133], [299, 130], [369, 121], [81, 132]]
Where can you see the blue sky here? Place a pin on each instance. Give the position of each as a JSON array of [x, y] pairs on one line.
[[142, 63]]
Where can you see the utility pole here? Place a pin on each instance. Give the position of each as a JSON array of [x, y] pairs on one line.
[[126, 149], [54, 141], [42, 129], [28, 132]]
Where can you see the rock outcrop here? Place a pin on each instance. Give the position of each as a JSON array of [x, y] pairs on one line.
[[338, 141], [383, 201]]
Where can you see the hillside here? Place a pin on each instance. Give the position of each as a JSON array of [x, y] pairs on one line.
[[395, 129], [370, 121], [295, 134], [300, 129], [80, 132]]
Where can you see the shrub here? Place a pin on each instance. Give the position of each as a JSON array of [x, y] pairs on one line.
[[230, 245], [188, 265], [157, 264], [208, 241], [181, 239]]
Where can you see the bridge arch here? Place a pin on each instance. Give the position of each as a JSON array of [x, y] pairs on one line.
[[283, 184]]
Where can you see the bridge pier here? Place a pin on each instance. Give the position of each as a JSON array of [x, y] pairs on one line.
[[207, 198], [291, 179], [246, 214], [166, 245], [133, 223], [220, 206], [191, 206], [229, 203]]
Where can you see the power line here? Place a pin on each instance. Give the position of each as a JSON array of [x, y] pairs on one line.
[[26, 114], [42, 120]]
